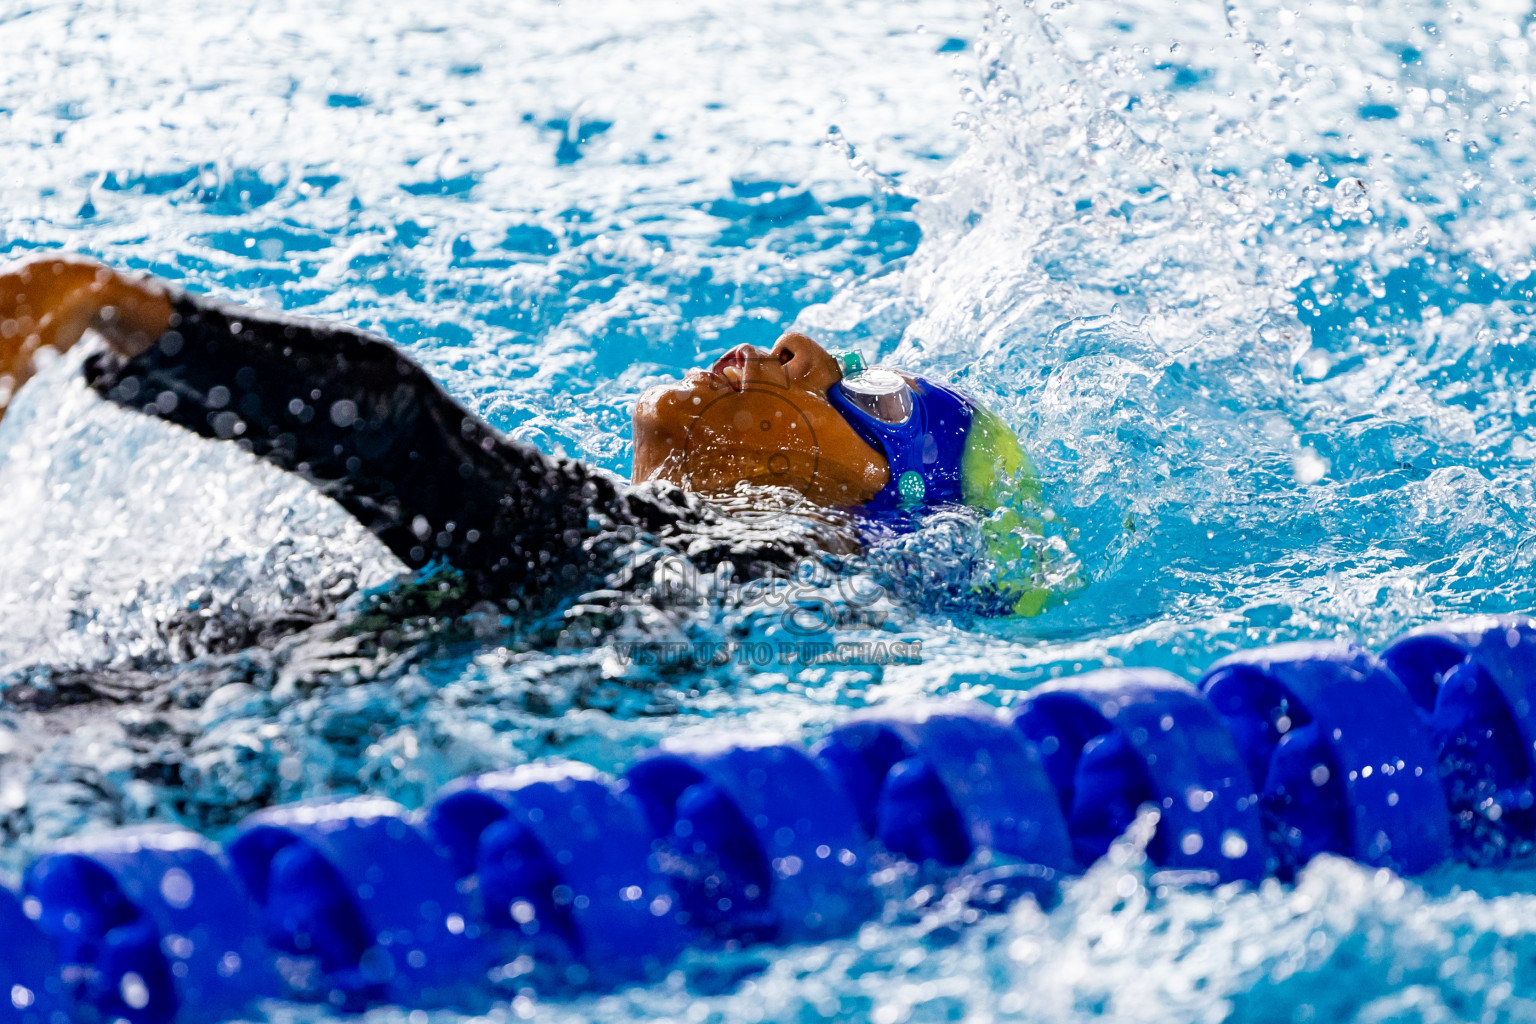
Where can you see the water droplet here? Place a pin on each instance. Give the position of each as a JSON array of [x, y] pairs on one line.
[[1350, 198], [1105, 129], [1313, 364], [1299, 270], [1308, 467], [343, 413], [177, 888], [134, 992]]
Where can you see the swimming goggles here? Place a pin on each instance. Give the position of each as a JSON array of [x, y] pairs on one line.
[[918, 425]]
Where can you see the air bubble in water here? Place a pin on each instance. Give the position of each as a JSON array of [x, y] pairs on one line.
[[1350, 198]]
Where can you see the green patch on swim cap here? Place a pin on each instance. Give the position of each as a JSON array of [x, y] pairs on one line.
[[994, 470], [912, 488]]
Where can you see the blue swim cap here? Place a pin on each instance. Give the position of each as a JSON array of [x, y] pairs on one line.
[[920, 427]]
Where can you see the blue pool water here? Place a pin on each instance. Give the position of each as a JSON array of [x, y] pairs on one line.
[[1252, 283]]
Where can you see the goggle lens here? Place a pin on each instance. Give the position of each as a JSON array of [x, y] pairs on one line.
[[880, 394]]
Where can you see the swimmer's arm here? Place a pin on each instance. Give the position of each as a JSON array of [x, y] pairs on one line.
[[50, 302], [358, 418], [367, 425]]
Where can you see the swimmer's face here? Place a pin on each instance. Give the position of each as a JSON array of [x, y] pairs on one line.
[[757, 417]]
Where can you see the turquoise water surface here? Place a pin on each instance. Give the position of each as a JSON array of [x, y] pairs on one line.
[[1252, 283]]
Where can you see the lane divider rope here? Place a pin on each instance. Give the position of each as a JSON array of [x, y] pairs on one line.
[[560, 876]]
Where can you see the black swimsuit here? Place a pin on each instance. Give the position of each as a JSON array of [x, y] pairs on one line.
[[369, 427]]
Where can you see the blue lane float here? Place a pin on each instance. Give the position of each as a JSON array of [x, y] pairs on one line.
[[559, 852], [1115, 740], [359, 903], [154, 923], [1344, 754], [1476, 680], [31, 975], [949, 784], [1280, 754], [757, 839]]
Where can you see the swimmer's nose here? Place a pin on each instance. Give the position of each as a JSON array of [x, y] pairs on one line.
[[806, 362]]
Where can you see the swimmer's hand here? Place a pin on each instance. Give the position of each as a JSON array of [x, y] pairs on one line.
[[51, 301]]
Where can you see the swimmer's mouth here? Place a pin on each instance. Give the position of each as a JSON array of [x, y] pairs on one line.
[[732, 369]]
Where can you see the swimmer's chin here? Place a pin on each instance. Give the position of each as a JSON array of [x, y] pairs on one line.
[[681, 398], [659, 434], [664, 413]]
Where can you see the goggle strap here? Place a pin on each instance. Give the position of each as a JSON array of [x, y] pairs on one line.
[[850, 362]]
